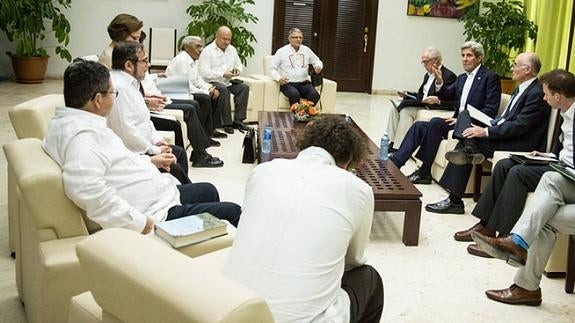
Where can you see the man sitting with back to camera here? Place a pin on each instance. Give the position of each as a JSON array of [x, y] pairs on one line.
[[116, 187], [310, 265], [402, 117], [289, 67]]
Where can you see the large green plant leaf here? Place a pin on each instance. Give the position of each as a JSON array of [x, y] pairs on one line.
[[25, 22], [502, 28], [208, 16]]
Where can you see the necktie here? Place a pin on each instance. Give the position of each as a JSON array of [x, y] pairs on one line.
[[510, 105], [141, 89]]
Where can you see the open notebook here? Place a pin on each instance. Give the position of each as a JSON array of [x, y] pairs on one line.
[[175, 87]]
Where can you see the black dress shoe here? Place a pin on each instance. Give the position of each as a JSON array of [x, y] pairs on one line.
[[462, 157], [207, 161], [240, 126], [218, 134], [474, 249], [502, 248], [418, 178], [229, 129], [445, 206], [214, 143], [515, 295]]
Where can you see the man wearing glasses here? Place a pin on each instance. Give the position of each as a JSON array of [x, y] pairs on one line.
[[403, 116], [116, 187], [289, 67]]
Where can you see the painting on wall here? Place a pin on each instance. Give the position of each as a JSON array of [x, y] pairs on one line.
[[440, 8]]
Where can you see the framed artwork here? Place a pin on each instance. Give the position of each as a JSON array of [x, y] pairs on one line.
[[440, 8]]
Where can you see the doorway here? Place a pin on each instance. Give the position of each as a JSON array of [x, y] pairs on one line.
[[341, 33]]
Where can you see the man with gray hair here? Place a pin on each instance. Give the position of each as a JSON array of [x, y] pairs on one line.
[[289, 67], [186, 63], [478, 87], [403, 116]]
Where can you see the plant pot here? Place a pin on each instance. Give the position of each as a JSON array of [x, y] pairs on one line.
[[507, 85], [29, 70]]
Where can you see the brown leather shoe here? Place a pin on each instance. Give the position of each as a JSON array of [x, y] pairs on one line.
[[473, 249], [466, 234], [515, 295], [502, 248]]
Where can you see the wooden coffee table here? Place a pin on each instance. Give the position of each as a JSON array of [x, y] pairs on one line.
[[391, 189]]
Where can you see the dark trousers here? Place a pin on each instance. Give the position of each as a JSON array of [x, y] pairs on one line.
[[199, 140], [203, 197], [425, 135], [298, 90], [180, 169], [206, 111], [241, 94], [502, 202], [365, 289], [455, 177]]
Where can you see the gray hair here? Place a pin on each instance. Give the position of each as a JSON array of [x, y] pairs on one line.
[[534, 61], [433, 52], [294, 30], [475, 47], [188, 40]]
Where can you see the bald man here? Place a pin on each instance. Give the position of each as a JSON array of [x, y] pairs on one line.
[[220, 65]]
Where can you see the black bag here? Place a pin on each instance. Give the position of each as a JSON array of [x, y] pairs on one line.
[[249, 155], [316, 78]]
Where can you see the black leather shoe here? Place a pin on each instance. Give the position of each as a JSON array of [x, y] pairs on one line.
[[207, 161], [240, 126], [229, 129], [218, 134], [461, 157], [417, 178], [445, 207], [214, 143]]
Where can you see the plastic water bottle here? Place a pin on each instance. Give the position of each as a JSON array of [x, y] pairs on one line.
[[267, 140], [384, 147]]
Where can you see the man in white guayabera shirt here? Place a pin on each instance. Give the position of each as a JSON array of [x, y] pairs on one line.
[[115, 186], [304, 229]]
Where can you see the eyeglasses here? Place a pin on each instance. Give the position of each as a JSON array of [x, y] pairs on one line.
[[145, 60], [135, 37], [115, 92], [425, 61]]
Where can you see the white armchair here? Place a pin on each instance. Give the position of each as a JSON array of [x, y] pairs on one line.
[[49, 227], [275, 100], [125, 286]]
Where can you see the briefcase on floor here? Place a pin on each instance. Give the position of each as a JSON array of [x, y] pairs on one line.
[[249, 145]]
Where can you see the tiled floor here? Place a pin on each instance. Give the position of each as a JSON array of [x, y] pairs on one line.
[[434, 282]]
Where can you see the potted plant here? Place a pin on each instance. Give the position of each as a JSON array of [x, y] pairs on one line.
[[209, 15], [502, 28], [25, 22]]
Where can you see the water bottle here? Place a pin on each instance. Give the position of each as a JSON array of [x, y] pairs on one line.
[[267, 140], [384, 147], [347, 119]]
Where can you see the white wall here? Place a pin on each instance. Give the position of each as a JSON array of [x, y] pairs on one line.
[[400, 38]]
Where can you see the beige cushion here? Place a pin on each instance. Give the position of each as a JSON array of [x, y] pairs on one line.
[[141, 280]]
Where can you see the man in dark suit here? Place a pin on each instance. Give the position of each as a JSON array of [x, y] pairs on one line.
[[478, 86], [532, 238], [521, 127], [503, 200], [403, 116]]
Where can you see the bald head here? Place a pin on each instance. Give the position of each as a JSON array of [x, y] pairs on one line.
[[223, 37], [526, 66]]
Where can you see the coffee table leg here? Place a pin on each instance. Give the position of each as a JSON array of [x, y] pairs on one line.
[[411, 223]]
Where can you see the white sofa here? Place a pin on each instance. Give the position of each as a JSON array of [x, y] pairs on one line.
[[125, 286], [275, 100], [48, 227]]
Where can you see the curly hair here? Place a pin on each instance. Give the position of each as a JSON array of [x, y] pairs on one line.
[[334, 135]]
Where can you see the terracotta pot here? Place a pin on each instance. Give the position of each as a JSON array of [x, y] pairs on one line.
[[507, 85], [29, 69]]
